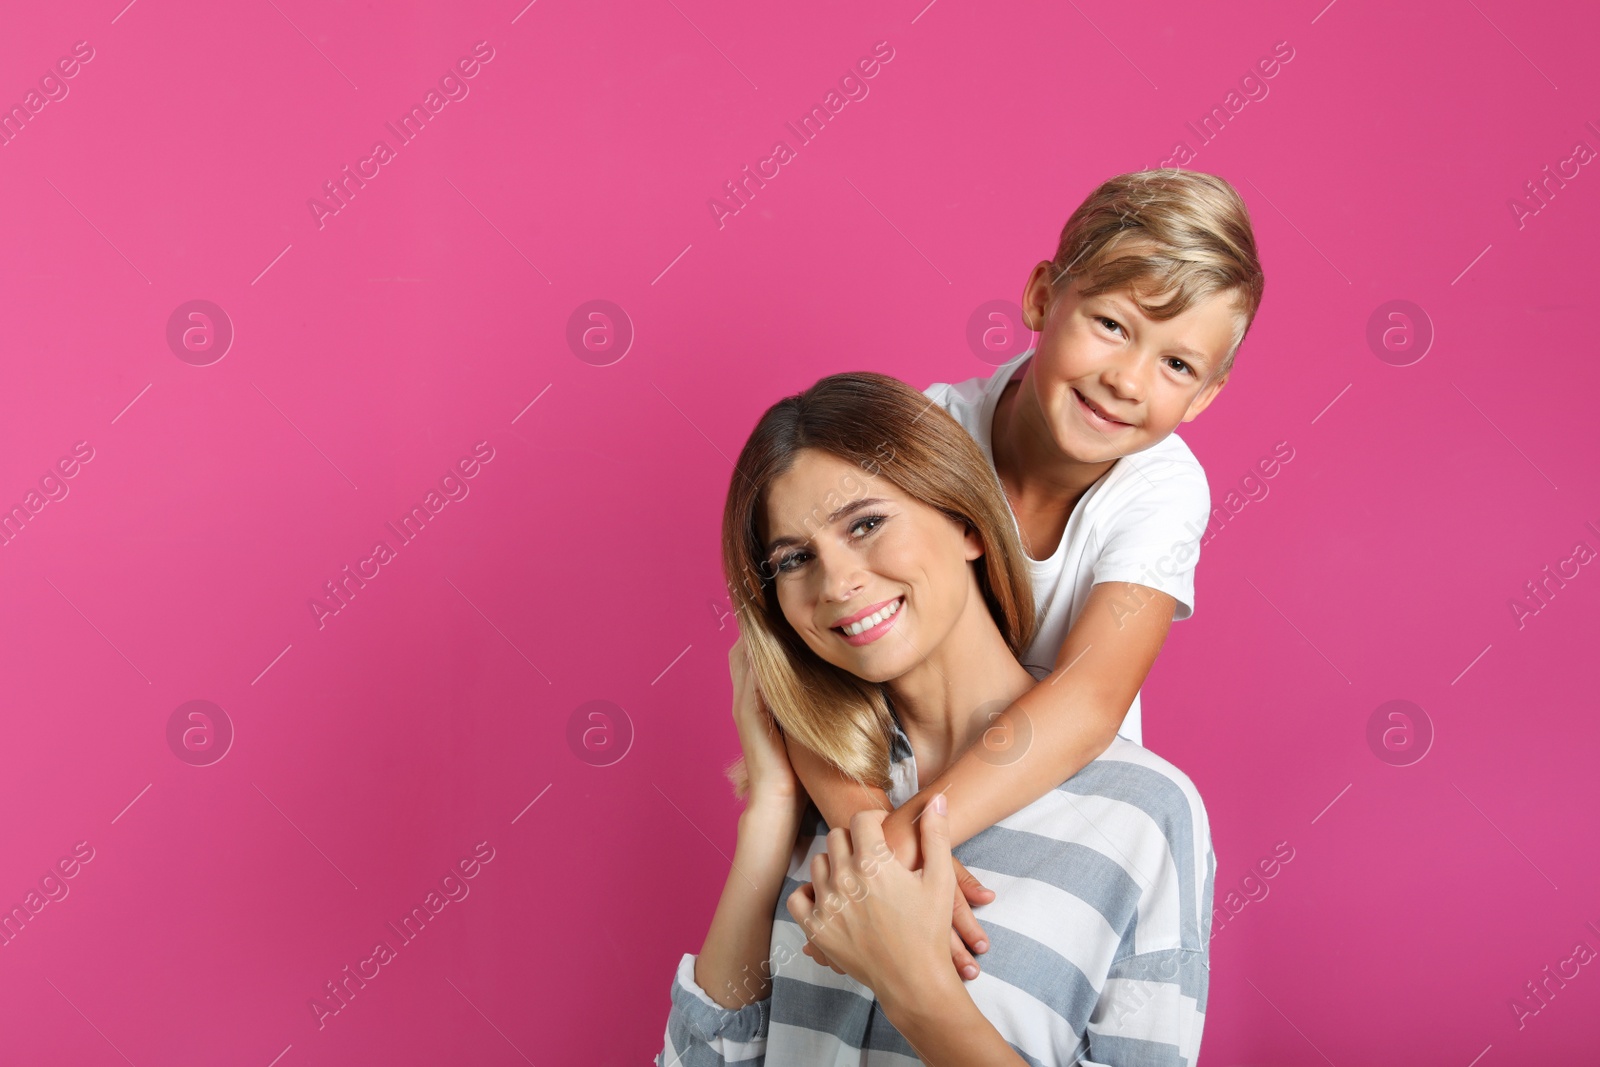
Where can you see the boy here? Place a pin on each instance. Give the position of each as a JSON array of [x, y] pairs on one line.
[[1153, 286]]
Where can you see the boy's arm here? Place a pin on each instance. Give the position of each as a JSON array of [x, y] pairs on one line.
[[1064, 722]]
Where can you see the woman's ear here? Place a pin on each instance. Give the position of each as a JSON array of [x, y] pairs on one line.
[[974, 543]]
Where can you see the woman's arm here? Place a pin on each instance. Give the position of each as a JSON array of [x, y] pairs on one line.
[[720, 997], [1058, 727], [733, 966]]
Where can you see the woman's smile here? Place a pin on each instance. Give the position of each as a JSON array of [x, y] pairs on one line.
[[866, 629]]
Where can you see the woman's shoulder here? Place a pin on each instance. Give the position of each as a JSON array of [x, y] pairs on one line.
[[1152, 804]]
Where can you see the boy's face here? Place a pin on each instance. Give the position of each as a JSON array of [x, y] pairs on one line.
[[1102, 352]]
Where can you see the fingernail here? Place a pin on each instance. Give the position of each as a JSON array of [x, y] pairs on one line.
[[939, 804], [970, 971], [983, 946]]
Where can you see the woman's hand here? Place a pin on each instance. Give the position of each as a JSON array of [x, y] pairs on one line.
[[772, 781], [967, 937], [882, 924]]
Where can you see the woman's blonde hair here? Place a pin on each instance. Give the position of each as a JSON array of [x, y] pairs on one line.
[[1161, 232], [887, 429]]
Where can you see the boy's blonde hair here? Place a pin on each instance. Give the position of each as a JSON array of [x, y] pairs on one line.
[[1161, 233]]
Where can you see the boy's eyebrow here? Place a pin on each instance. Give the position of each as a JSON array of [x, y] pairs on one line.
[[839, 513]]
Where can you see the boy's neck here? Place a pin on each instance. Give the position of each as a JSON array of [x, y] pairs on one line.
[[1036, 474]]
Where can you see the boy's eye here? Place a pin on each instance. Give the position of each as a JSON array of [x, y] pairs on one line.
[[1181, 367], [1115, 326]]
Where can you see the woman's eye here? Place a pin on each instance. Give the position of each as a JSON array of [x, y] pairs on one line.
[[789, 562], [866, 519], [783, 562]]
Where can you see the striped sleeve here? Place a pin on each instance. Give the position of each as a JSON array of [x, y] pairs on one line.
[[1150, 1012], [702, 1033]]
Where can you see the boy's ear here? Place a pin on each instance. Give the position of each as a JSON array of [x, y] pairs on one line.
[[1203, 401]]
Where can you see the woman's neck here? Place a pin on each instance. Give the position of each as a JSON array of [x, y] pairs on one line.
[[945, 703]]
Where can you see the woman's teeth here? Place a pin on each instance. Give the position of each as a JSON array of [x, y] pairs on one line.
[[872, 620]]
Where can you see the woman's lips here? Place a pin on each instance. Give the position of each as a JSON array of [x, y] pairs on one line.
[[866, 637]]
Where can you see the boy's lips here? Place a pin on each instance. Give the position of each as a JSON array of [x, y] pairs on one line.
[[1097, 413]]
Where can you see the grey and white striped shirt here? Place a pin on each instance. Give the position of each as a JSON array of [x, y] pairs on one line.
[[1098, 936]]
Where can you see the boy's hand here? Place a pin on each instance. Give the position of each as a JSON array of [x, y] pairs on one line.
[[966, 935]]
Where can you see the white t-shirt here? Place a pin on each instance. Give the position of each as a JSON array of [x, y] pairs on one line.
[[1141, 522]]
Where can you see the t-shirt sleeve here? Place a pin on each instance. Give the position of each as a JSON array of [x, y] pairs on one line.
[[1153, 539], [702, 1033]]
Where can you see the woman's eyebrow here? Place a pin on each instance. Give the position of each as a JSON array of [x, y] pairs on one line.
[[838, 513]]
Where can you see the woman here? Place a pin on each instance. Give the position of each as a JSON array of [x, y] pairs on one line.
[[858, 500]]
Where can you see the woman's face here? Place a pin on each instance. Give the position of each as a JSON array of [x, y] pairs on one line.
[[844, 545]]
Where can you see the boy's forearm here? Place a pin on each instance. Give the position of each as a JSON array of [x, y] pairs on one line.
[[1060, 726], [733, 965]]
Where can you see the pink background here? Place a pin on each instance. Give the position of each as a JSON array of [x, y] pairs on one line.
[[432, 713]]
